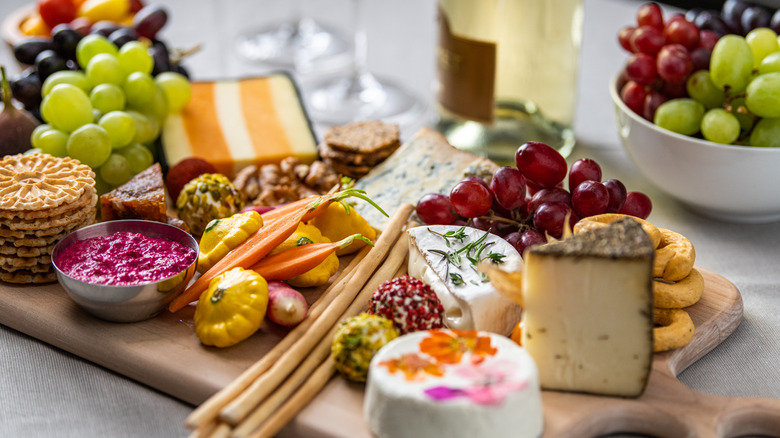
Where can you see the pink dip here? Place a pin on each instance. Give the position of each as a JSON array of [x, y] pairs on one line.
[[124, 259]]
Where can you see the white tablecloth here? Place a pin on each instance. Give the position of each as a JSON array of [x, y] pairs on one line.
[[47, 392]]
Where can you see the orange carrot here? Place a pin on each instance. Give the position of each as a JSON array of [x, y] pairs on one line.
[[300, 259], [259, 244], [280, 211]]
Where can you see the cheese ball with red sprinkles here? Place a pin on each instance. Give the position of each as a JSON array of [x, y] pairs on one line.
[[409, 303]]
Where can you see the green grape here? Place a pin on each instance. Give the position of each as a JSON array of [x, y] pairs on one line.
[[107, 98], [682, 116], [147, 128], [177, 90], [138, 156], [36, 134], [731, 63], [763, 95], [762, 42], [31, 151], [158, 106], [101, 186], [739, 110], [139, 89], [766, 133], [105, 69], [67, 107], [720, 126], [76, 78], [91, 45], [770, 64], [134, 57], [54, 142], [96, 115], [701, 88], [120, 128], [90, 144], [116, 170]]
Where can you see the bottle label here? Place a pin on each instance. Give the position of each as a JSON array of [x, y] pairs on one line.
[[466, 72]]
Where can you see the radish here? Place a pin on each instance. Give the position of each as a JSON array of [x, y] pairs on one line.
[[286, 306]]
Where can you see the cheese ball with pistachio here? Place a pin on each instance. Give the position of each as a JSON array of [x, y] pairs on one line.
[[356, 342], [207, 197]]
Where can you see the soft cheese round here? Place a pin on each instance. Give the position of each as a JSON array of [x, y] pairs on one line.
[[454, 384]]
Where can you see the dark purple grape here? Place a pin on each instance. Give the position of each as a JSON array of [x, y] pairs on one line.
[[162, 62], [65, 40], [27, 89], [121, 36], [701, 59], [104, 28], [48, 62], [617, 195], [180, 69], [529, 239], [732, 14], [26, 50], [548, 195], [550, 218], [710, 20], [691, 14], [149, 20], [754, 17], [775, 22]]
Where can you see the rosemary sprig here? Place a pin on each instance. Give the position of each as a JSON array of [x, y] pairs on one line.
[[459, 235], [472, 251], [457, 280]]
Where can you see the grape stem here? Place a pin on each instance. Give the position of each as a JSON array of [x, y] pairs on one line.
[[492, 217]]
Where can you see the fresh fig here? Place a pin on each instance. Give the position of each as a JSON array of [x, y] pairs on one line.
[[16, 124]]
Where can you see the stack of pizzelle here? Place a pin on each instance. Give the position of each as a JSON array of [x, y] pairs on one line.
[[42, 199], [354, 149], [677, 283]]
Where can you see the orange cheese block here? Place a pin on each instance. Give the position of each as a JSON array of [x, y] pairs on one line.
[[236, 123]]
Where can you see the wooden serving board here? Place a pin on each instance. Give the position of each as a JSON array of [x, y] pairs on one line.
[[165, 354]]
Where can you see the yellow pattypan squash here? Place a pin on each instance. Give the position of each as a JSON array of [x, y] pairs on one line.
[[337, 223], [232, 308], [319, 275], [222, 235]]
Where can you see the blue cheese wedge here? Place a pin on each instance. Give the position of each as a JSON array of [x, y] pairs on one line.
[[445, 257], [588, 320], [425, 164]]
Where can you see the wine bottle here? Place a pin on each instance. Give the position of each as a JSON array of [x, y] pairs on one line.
[[507, 74]]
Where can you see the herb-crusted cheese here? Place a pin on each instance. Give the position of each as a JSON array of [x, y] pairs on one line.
[[588, 320], [425, 164], [445, 257]]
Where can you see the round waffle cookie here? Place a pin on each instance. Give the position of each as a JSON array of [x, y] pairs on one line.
[[42, 199]]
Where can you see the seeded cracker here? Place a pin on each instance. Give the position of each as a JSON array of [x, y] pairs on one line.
[[362, 137]]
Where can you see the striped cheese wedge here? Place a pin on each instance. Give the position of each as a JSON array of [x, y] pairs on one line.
[[235, 123]]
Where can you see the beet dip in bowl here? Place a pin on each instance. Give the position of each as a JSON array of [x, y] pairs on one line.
[[125, 270]]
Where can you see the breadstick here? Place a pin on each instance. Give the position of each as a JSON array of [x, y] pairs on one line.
[[396, 261], [208, 411], [242, 405]]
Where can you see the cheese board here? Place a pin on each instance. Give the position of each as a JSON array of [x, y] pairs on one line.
[[152, 352]]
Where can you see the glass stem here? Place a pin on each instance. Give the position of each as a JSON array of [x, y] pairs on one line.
[[360, 50]]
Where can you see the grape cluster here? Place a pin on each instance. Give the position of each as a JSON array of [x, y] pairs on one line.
[[527, 203], [735, 17], [724, 89]]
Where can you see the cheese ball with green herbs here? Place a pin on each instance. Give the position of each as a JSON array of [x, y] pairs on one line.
[[356, 342], [207, 197]]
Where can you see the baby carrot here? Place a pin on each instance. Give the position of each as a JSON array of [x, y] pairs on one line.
[[300, 259]]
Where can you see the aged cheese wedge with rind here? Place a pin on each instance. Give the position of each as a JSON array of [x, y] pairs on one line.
[[588, 317], [425, 164], [470, 301], [235, 123]]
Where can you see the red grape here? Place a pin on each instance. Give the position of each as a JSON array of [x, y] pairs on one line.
[[476, 179], [149, 20], [548, 195], [637, 204], [707, 39], [647, 39], [508, 186], [590, 198], [640, 68], [675, 17], [672, 91], [682, 32], [550, 217], [674, 63], [582, 170], [624, 38], [634, 95], [540, 163], [435, 209], [650, 14], [524, 240], [471, 199], [652, 102], [617, 195]]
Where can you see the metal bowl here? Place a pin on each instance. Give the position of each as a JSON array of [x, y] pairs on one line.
[[126, 303]]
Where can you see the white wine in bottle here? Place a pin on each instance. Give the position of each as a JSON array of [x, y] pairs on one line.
[[507, 74]]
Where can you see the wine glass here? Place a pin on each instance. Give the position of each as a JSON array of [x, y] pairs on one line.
[[360, 95], [300, 44]]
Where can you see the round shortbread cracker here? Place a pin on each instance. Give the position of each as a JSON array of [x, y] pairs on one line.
[[26, 251], [22, 234], [27, 277], [89, 197], [37, 181], [45, 223]]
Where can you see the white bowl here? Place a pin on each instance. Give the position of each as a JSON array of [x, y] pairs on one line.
[[731, 183]]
